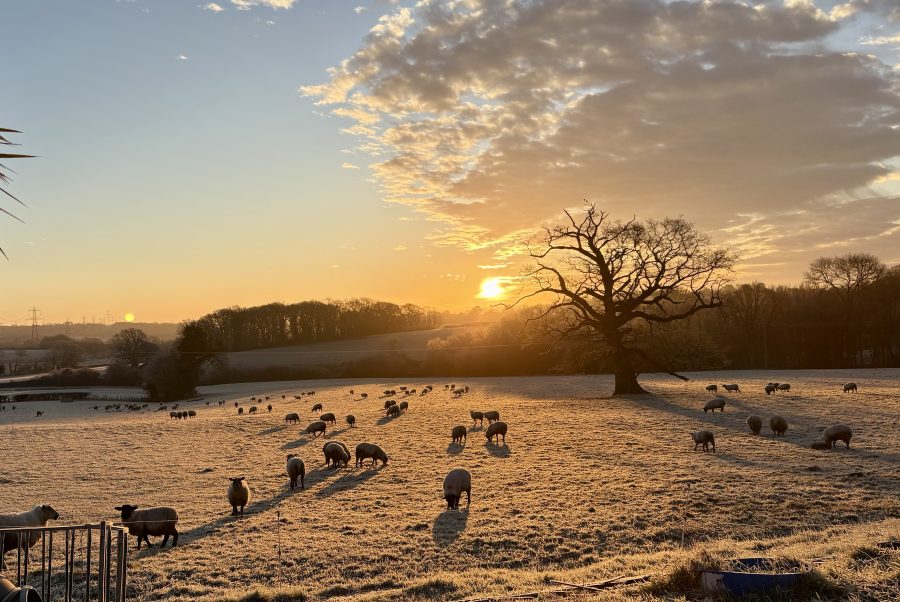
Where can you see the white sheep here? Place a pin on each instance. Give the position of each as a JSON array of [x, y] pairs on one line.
[[296, 468], [370, 450], [704, 438], [158, 521], [850, 387], [778, 425], [456, 482], [38, 516], [714, 404], [238, 494]]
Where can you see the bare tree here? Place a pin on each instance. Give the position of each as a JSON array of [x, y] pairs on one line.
[[132, 346], [609, 278]]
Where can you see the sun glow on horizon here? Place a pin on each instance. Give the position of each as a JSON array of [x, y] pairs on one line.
[[491, 288], [129, 317]]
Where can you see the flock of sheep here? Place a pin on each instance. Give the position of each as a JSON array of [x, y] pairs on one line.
[[778, 424]]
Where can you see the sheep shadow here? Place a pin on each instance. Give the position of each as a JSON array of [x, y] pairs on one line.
[[346, 481], [301, 442], [386, 419], [336, 432], [273, 429], [454, 449], [476, 429], [448, 526], [498, 451]]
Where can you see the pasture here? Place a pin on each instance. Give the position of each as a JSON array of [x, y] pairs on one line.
[[586, 487]]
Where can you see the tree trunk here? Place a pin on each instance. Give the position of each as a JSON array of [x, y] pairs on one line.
[[626, 377]]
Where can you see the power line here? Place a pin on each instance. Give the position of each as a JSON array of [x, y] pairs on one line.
[[34, 325]]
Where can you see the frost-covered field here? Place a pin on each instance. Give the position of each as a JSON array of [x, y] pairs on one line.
[[587, 486]]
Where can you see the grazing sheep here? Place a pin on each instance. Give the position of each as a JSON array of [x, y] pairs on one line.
[[496, 429], [835, 433], [704, 438], [240, 411], [456, 482], [755, 423], [476, 417], [174, 415], [370, 450], [778, 425], [184, 414], [317, 407], [770, 388], [458, 434], [236, 404], [351, 420], [296, 468], [712, 388], [714, 404], [40, 413], [850, 387], [393, 411], [351, 391], [38, 516], [315, 428], [192, 414], [159, 521], [269, 407], [238, 494], [466, 388], [335, 452], [292, 417], [784, 387], [492, 416], [390, 402], [732, 388], [252, 410], [364, 395], [404, 405], [328, 417]]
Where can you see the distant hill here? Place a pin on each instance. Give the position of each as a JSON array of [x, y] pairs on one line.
[[15, 336]]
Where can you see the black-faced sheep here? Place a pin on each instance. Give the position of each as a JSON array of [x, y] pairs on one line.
[[456, 482], [704, 438], [732, 388], [712, 388], [714, 404], [292, 417], [370, 450], [317, 407], [778, 425], [351, 420], [238, 494], [477, 417], [158, 522], [315, 428], [492, 416], [393, 411], [328, 417], [404, 405], [755, 423], [850, 387], [496, 429], [458, 434], [335, 452], [296, 468]]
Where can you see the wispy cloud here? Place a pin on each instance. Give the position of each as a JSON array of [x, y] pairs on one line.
[[347, 165], [880, 40], [359, 9], [400, 248], [248, 4], [212, 6], [182, 57]]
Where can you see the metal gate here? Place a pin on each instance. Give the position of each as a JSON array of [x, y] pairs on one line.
[[71, 564]]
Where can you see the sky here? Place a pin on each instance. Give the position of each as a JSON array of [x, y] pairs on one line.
[[194, 156]]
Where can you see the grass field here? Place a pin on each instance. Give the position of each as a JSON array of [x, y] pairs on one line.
[[587, 486]]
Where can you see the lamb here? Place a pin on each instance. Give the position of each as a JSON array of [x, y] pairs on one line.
[[370, 450], [390, 402], [292, 417], [458, 434], [778, 425], [492, 416], [296, 468], [784, 387], [476, 417], [393, 411], [317, 407], [38, 516], [712, 388], [704, 438], [770, 388], [159, 521], [850, 387], [833, 434], [351, 420], [714, 404], [457, 481], [238, 494], [315, 428], [732, 388], [496, 429], [328, 417], [404, 405], [335, 452], [755, 423]]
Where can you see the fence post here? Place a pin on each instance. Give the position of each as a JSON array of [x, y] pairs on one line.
[[101, 564]]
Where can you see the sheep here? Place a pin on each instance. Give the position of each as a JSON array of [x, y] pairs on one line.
[[755, 423], [174, 415], [496, 429], [317, 407], [40, 413], [714, 404], [784, 387], [38, 516], [184, 414], [240, 411], [457, 481], [292, 417], [850, 387], [370, 450], [192, 414], [404, 405], [833, 434], [732, 388], [390, 402], [315, 428], [776, 385], [159, 521], [252, 410], [458, 434], [778, 425], [269, 407], [770, 388], [335, 452], [296, 468], [402, 387], [364, 395], [238, 494], [351, 420], [393, 411], [704, 438], [466, 388], [476, 417], [712, 388], [328, 417], [351, 391], [236, 404], [492, 416]]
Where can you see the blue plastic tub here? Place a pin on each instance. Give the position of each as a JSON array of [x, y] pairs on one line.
[[745, 578]]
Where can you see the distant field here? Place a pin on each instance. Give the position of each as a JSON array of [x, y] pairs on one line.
[[587, 487]]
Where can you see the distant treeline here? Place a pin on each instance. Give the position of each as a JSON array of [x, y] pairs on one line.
[[279, 324]]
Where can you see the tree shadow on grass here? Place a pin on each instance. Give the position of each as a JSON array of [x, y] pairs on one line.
[[448, 526]]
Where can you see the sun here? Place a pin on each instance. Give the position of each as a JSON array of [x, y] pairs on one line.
[[129, 317], [491, 288]]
